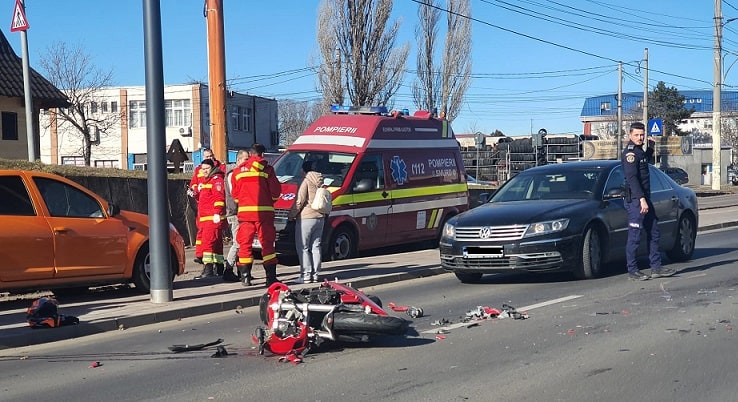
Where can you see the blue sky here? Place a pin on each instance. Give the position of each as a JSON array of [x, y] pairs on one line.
[[534, 61]]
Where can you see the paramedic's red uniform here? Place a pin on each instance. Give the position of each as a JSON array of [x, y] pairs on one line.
[[255, 190], [211, 202], [195, 182]]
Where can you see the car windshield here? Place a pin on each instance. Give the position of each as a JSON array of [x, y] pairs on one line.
[[573, 184], [333, 165]]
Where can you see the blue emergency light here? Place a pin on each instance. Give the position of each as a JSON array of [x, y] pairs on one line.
[[340, 109]]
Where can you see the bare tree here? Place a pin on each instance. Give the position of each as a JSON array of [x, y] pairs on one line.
[[356, 36], [329, 71], [295, 117], [729, 135], [72, 70], [443, 87], [426, 88]]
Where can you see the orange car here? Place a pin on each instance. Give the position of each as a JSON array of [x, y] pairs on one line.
[[58, 235]]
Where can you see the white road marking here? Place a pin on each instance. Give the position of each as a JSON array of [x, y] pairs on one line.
[[520, 309]]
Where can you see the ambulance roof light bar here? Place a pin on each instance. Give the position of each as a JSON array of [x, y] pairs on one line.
[[340, 109]]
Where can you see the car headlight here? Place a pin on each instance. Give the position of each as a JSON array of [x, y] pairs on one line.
[[542, 228], [449, 231]]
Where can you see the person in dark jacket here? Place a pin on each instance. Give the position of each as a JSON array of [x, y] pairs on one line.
[[641, 213], [232, 218]]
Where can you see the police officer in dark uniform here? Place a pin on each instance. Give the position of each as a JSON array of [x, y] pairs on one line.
[[641, 213]]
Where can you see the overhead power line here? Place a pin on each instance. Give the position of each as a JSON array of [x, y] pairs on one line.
[[537, 39]]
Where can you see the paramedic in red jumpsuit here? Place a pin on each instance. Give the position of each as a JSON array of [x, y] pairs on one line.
[[194, 191], [255, 190], [211, 211]]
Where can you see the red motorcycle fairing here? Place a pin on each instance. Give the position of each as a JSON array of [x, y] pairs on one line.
[[284, 344], [285, 336], [350, 295]]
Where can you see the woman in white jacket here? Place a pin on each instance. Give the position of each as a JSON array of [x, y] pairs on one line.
[[308, 225]]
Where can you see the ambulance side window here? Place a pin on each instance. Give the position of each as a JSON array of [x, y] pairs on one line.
[[369, 175]]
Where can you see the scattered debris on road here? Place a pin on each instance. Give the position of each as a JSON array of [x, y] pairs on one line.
[[220, 352], [189, 348]]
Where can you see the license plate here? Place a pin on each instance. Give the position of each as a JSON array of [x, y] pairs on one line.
[[484, 252]]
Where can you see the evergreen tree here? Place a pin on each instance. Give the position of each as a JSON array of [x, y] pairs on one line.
[[667, 104]]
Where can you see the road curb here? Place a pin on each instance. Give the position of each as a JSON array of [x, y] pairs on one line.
[[722, 225]]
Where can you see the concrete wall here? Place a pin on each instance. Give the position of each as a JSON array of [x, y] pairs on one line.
[[132, 195]]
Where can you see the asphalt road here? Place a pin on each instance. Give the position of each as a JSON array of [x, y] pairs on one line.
[[607, 339]]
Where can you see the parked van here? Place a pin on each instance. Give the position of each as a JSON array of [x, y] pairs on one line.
[[394, 179]]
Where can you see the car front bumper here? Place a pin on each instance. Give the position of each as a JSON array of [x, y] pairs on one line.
[[553, 254]]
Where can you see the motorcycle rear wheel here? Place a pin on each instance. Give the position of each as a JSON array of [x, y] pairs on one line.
[[349, 322]]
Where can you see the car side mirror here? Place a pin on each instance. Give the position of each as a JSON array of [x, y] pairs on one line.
[[113, 209], [483, 198], [613, 193]]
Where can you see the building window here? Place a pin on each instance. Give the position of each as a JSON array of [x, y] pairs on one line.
[[114, 107], [107, 164], [178, 112], [10, 126], [73, 160], [93, 107], [104, 106], [236, 118], [605, 106], [246, 118], [207, 116], [137, 114], [639, 105]]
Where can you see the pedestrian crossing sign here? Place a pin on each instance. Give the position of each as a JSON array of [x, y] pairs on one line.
[[19, 22], [655, 127]]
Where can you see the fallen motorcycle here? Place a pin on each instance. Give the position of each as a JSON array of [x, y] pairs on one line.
[[298, 321]]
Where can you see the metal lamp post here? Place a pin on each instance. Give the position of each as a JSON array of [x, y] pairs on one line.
[[479, 140]]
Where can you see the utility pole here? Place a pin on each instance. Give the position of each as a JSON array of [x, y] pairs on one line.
[[716, 96], [619, 134], [217, 78], [645, 87]]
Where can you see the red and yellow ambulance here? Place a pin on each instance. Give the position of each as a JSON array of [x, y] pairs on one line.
[[394, 178]]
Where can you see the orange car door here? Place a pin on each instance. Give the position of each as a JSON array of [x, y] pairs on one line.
[[86, 242], [26, 244]]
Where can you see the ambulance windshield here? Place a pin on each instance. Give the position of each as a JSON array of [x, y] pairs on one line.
[[333, 165]]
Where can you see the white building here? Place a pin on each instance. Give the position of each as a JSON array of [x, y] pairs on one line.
[[121, 140]]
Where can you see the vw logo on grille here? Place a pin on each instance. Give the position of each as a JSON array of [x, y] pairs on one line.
[[485, 232]]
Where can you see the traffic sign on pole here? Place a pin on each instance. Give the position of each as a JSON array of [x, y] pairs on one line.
[[20, 22], [655, 127]]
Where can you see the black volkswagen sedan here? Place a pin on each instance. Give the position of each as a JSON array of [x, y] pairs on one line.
[[563, 217]]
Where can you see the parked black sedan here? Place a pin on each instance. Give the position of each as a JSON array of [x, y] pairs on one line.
[[563, 217], [679, 175]]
